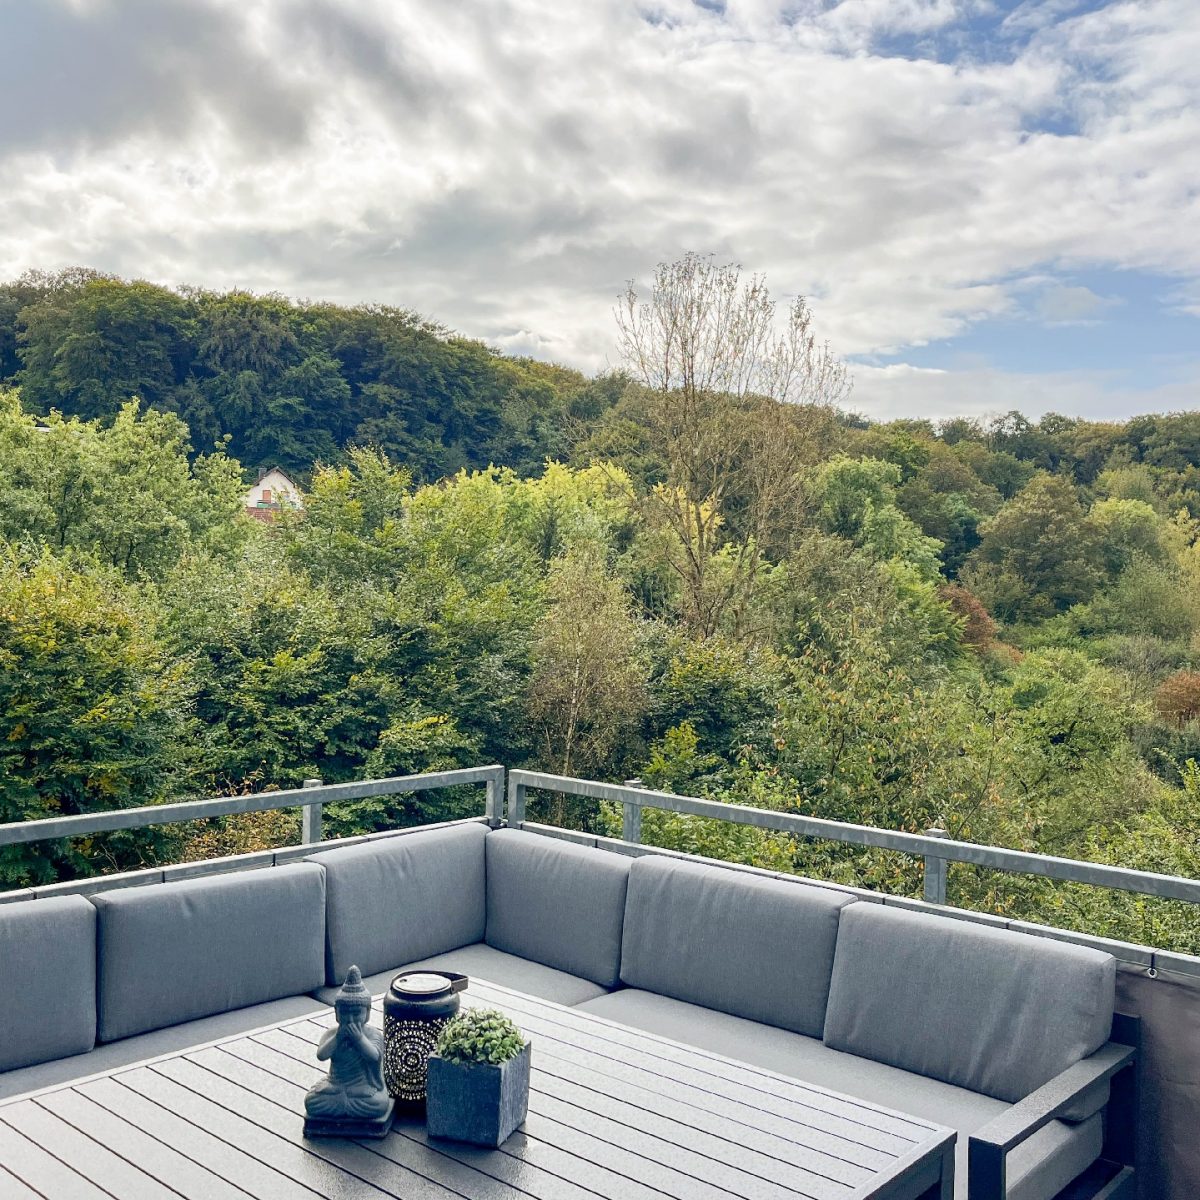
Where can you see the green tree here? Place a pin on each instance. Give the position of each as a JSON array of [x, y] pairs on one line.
[[94, 713], [348, 532], [125, 494], [1128, 529], [289, 680], [725, 693], [587, 689], [855, 499], [1038, 554], [91, 348]]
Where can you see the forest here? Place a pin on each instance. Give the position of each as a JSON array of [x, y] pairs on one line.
[[702, 569]]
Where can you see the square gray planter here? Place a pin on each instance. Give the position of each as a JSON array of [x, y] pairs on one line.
[[477, 1102]]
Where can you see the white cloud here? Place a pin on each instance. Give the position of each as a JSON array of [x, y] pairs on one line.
[[1061, 304], [504, 165], [901, 390]]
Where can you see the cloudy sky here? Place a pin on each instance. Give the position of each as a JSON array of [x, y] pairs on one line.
[[989, 203]]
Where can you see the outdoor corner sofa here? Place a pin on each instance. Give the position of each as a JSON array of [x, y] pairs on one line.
[[1002, 1036]]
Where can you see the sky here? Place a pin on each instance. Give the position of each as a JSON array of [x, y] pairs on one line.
[[990, 204]]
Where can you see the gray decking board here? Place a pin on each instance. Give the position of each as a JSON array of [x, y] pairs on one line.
[[842, 1132], [305, 1163], [349, 1157], [40, 1170], [704, 1156], [91, 1159], [554, 1151], [300, 1037], [640, 1103], [155, 1157], [707, 1175], [623, 1151], [11, 1188], [613, 1113], [286, 1158], [595, 1103], [847, 1140], [412, 1148], [270, 1073], [665, 1164], [752, 1107], [775, 1168], [763, 1083], [230, 1163]]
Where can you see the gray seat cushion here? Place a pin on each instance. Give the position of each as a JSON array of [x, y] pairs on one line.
[[557, 904], [1037, 1170], [47, 979], [172, 952], [481, 961], [987, 1009], [399, 899], [131, 1050], [757, 948]]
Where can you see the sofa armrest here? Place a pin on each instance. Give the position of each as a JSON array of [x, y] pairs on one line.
[[988, 1147]]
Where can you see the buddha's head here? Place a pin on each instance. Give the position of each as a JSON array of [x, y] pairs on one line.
[[353, 1001]]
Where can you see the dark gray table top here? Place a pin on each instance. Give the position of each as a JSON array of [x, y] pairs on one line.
[[613, 1113]]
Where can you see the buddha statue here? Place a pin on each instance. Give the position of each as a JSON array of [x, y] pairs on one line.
[[352, 1101]]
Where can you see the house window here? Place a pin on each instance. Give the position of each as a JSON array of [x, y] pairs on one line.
[[266, 495]]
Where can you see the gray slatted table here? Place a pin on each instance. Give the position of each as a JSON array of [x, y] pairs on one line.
[[613, 1113]]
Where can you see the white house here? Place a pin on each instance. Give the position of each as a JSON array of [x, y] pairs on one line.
[[272, 492]]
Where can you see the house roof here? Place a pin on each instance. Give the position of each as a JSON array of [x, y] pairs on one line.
[[265, 471]]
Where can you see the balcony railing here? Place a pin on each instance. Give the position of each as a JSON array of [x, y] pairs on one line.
[[311, 799], [933, 848], [936, 850]]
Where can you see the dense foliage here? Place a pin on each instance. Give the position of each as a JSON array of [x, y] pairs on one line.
[[988, 627], [288, 384]]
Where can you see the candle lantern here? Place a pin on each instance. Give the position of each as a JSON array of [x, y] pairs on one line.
[[415, 1008]]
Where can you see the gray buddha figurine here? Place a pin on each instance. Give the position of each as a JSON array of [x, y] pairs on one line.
[[352, 1101]]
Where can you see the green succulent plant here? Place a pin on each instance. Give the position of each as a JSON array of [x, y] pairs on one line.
[[480, 1035]]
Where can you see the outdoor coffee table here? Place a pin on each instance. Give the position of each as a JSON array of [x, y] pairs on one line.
[[613, 1112]]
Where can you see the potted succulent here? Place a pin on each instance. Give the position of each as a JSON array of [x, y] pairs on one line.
[[478, 1088]]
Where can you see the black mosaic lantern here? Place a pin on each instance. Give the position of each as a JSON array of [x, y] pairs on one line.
[[415, 1008]]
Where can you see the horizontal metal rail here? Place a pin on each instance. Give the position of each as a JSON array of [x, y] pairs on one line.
[[310, 797], [933, 849]]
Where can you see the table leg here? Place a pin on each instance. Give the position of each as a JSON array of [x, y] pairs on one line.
[[944, 1188]]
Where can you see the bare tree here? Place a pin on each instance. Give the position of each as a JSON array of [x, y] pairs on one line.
[[703, 333], [740, 399]]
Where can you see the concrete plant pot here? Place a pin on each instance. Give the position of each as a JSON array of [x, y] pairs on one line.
[[477, 1102]]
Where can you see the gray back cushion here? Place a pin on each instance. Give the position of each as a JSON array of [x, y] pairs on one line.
[[396, 900], [754, 947], [172, 952], [986, 1009], [47, 980], [557, 904]]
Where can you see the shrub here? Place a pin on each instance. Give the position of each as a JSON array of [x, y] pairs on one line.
[[480, 1035], [979, 630], [1178, 697]]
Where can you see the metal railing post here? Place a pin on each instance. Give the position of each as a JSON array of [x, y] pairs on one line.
[[631, 816], [493, 807], [516, 803], [310, 817], [935, 872]]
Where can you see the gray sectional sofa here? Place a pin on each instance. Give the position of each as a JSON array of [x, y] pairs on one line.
[[89, 983], [1002, 1036]]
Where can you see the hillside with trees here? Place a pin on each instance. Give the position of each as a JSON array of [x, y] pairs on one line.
[[703, 570], [286, 384]]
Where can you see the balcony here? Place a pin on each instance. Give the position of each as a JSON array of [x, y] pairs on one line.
[[601, 947]]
